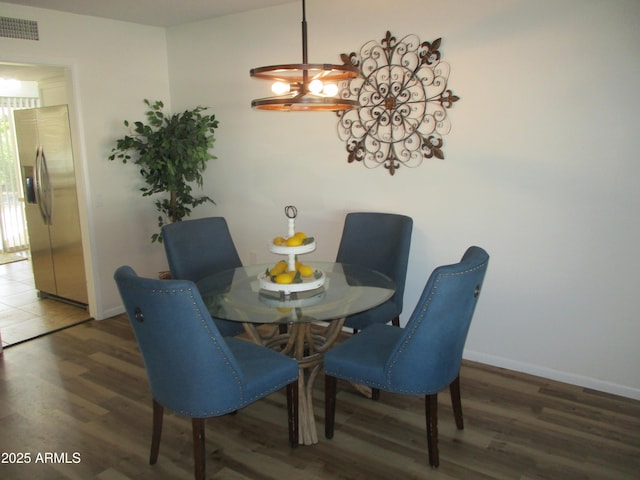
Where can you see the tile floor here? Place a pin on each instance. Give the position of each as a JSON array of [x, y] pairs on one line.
[[22, 314]]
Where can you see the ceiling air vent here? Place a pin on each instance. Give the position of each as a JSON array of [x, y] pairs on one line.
[[18, 28]]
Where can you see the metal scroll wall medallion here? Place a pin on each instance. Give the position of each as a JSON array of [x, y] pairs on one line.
[[403, 101]]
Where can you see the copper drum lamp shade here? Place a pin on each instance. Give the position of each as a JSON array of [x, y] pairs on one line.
[[305, 86]]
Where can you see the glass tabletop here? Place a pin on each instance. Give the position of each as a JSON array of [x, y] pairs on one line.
[[348, 289]]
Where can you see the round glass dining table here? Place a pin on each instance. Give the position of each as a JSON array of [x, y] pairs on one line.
[[348, 289], [303, 324]]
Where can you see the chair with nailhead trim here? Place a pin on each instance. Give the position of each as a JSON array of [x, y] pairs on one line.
[[200, 247], [422, 358], [192, 369]]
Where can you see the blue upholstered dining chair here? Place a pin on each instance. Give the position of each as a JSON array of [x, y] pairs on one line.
[[192, 370], [200, 247], [380, 241], [422, 358]]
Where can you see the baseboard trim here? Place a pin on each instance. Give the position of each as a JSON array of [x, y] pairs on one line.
[[111, 312], [560, 376]]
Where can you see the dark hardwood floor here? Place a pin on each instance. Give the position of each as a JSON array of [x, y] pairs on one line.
[[77, 402]]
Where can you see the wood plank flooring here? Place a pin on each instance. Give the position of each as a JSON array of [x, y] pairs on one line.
[[78, 403]]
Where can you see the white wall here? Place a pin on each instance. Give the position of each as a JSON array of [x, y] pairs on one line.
[[113, 66], [541, 165]]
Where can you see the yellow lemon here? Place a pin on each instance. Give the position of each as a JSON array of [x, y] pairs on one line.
[[284, 278], [294, 241], [300, 235], [306, 270], [279, 241], [278, 268]]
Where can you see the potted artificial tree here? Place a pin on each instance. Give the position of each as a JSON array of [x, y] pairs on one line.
[[171, 151]]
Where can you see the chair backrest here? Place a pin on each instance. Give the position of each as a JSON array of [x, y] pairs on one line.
[[197, 248], [380, 241], [429, 354], [190, 367]]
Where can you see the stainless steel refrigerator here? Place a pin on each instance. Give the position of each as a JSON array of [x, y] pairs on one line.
[[51, 203]]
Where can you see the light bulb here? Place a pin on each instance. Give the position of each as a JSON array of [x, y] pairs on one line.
[[315, 86], [280, 87], [330, 89]]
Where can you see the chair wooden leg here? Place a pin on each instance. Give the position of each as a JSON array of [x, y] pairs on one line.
[[330, 384], [375, 394], [431, 413], [198, 448], [292, 413], [456, 402], [158, 411]]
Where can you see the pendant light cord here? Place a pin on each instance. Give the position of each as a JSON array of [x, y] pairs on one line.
[[305, 74]]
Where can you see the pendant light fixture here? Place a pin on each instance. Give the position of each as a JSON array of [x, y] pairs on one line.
[[305, 86]]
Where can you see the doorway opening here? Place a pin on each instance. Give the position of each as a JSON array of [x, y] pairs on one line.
[[14, 95], [21, 86], [30, 315]]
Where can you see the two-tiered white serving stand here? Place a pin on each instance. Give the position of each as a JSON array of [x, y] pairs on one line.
[[307, 283]]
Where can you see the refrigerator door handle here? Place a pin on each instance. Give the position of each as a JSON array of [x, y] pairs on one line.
[[43, 186]]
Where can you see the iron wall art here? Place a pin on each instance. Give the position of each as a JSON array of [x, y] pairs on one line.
[[403, 100]]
